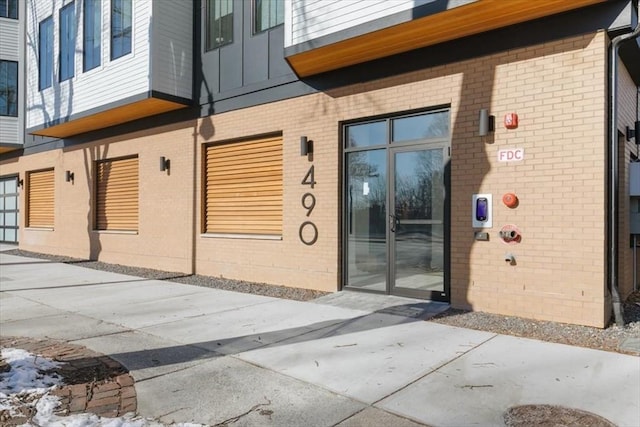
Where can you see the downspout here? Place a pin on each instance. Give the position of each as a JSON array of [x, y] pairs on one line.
[[613, 172]]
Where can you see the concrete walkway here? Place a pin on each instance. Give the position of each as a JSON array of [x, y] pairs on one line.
[[211, 356]]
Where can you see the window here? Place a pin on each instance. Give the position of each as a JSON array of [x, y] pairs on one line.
[[8, 88], [67, 41], [91, 34], [117, 194], [45, 51], [9, 9], [243, 187], [40, 199], [120, 28], [219, 23], [267, 14]]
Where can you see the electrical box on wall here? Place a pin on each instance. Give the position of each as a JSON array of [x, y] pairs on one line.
[[481, 211]]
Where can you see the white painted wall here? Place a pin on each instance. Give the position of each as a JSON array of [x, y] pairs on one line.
[[173, 47]]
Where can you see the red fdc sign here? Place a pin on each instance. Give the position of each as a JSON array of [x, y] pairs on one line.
[[511, 155]]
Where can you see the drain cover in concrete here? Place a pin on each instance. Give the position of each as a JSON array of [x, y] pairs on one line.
[[552, 416]]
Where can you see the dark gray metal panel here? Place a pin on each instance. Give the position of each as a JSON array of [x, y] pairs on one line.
[[272, 94], [256, 56], [209, 77], [277, 64], [230, 66]]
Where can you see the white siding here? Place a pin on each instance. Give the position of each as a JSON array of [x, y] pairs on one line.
[[173, 47], [311, 19], [9, 130], [306, 20], [111, 82], [11, 45], [9, 37]]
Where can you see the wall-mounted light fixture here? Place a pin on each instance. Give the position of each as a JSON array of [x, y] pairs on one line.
[[68, 176], [21, 182], [487, 123], [165, 164], [306, 146], [634, 132]]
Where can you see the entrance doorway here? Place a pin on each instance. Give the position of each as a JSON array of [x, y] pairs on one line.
[[9, 209], [396, 205]]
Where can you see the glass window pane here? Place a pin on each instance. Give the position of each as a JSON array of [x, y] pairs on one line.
[[2, 235], [1, 218], [10, 235], [431, 125], [219, 24], [11, 186], [1, 203], [10, 203], [8, 88], [92, 36], [67, 41], [120, 28], [10, 219], [45, 50], [366, 221], [267, 14], [366, 135]]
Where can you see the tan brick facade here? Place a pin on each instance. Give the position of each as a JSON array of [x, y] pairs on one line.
[[558, 91]]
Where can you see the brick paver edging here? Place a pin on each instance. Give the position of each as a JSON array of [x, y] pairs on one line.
[[94, 382]]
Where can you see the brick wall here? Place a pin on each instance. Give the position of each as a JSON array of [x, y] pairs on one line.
[[558, 90]]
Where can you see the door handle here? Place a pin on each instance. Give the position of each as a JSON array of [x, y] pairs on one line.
[[394, 222]]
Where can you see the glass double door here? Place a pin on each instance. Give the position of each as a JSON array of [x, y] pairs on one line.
[[395, 225]]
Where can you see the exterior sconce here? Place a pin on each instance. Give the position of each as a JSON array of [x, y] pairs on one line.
[[165, 164], [68, 176], [634, 133], [21, 182], [487, 123], [306, 147]]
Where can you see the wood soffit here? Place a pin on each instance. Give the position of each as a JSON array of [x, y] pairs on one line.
[[462, 21], [111, 117]]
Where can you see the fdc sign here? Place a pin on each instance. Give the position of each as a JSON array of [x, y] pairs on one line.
[[511, 155]]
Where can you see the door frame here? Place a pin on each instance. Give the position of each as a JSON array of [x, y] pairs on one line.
[[445, 143], [391, 288]]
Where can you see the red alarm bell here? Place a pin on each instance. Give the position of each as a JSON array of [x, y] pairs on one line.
[[511, 120], [510, 200]]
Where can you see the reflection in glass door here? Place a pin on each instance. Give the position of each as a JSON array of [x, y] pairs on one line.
[[366, 225], [417, 222]]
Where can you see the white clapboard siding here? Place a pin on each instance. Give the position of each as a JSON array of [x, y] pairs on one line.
[[172, 47], [9, 130], [114, 80], [311, 19], [9, 39]]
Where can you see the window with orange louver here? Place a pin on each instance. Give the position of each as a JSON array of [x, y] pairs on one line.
[[117, 194], [40, 201], [243, 187]]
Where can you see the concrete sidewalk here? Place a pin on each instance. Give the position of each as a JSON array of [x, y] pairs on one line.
[[209, 356]]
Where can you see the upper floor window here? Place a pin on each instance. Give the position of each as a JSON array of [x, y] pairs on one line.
[[45, 53], [9, 9], [267, 14], [120, 28], [67, 41], [91, 34], [219, 25], [8, 88]]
